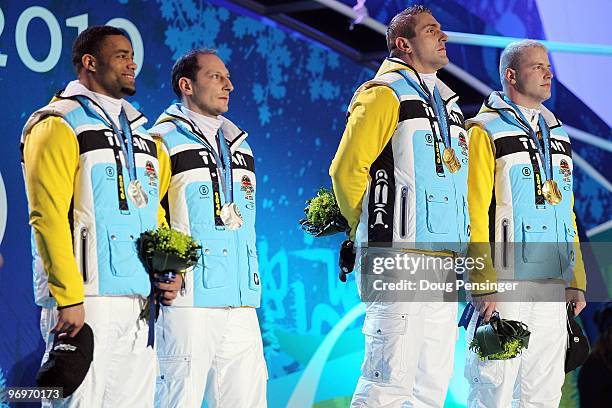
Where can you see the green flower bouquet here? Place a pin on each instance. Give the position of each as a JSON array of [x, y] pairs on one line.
[[323, 215], [166, 252], [500, 339]]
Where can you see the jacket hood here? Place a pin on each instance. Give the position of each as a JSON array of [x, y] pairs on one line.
[[394, 64], [65, 101], [495, 103], [175, 114]]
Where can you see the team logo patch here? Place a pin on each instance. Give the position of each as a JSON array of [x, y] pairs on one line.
[[150, 173], [564, 168], [463, 144], [247, 187]]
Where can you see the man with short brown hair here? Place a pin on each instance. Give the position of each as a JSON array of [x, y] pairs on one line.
[[210, 345], [400, 178]]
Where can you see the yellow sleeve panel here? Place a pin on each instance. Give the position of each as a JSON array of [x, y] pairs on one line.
[[165, 173], [481, 181], [579, 280], [371, 123], [51, 159]]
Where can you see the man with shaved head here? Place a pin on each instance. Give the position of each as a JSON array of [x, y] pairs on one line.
[[520, 198]]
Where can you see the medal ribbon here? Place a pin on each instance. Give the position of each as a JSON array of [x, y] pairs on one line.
[[226, 171], [441, 114], [544, 147], [125, 144], [124, 135], [438, 106], [220, 164], [224, 162]]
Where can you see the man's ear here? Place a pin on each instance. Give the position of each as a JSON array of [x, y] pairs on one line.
[[403, 45], [185, 86], [510, 76], [89, 62]]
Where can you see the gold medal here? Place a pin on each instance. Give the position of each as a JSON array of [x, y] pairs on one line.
[[551, 192], [450, 159]]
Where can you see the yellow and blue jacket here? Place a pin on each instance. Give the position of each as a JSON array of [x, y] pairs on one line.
[[192, 192], [533, 239], [84, 228], [388, 175]]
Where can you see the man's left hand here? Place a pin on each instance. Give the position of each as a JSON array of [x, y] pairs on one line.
[[168, 291], [576, 297]]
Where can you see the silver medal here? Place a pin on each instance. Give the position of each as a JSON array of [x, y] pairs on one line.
[[231, 217], [137, 194]]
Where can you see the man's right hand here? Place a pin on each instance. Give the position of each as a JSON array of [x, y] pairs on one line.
[[485, 305], [70, 320], [347, 259]]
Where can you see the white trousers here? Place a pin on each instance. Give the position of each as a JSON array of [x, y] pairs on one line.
[[408, 355], [211, 353], [123, 370], [534, 378]]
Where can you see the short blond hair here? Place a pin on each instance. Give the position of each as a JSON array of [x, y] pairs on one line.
[[511, 55]]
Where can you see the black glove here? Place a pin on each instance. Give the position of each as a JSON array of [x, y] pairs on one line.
[[347, 259]]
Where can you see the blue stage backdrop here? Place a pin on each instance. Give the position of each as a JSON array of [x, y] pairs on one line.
[[291, 96]]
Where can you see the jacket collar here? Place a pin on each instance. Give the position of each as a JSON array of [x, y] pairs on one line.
[[175, 114], [394, 64], [75, 88], [495, 102]]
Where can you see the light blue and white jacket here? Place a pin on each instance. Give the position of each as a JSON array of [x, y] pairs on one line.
[[105, 223], [412, 199], [538, 240], [227, 274]]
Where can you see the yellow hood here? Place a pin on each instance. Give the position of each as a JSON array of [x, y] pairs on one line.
[[393, 64]]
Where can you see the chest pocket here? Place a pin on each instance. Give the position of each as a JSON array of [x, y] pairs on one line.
[[216, 265], [437, 201], [536, 245], [124, 258]]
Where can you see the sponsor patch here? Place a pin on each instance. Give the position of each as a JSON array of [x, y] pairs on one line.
[[247, 187], [463, 144], [150, 173], [564, 168]]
